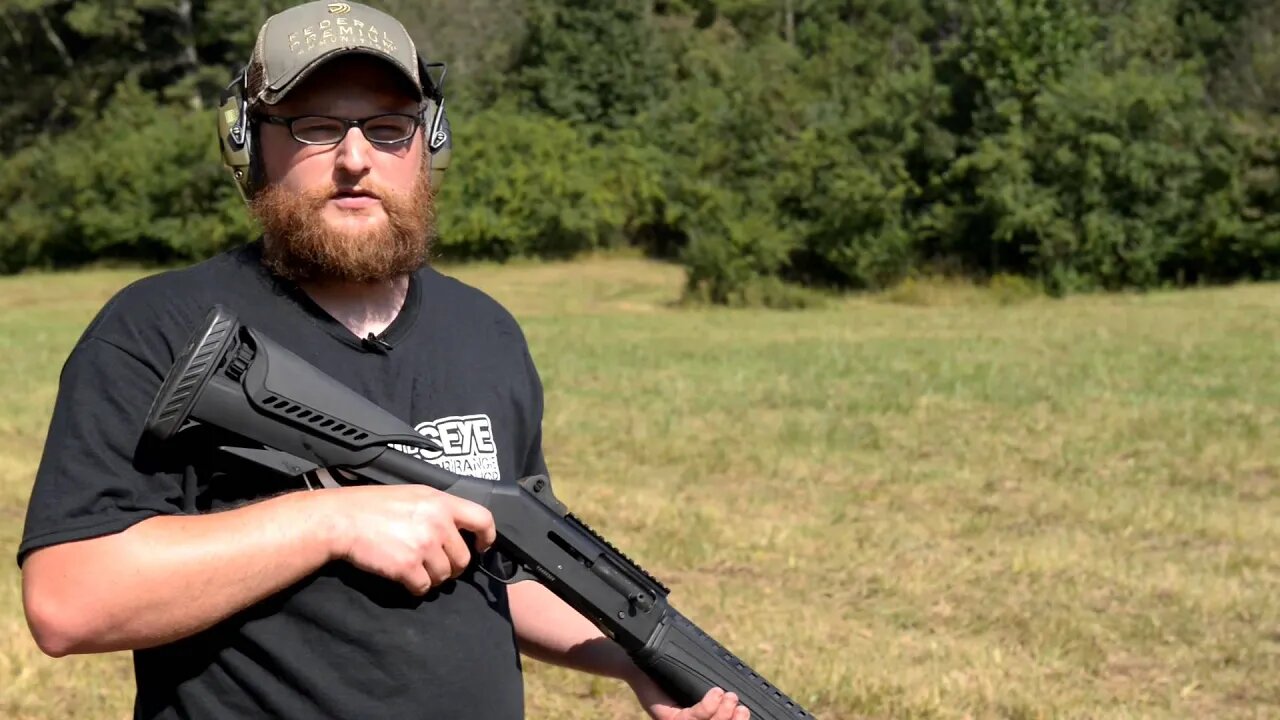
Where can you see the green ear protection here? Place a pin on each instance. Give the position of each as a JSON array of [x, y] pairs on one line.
[[236, 131]]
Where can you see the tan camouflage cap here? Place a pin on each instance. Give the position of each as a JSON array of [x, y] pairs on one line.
[[294, 42]]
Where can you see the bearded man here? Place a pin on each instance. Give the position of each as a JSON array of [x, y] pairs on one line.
[[247, 594]]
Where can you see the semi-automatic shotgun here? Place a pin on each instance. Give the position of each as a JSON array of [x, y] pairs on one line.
[[283, 413]]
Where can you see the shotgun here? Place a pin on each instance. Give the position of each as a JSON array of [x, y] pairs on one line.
[[280, 412]]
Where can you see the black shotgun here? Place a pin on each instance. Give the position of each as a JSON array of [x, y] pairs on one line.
[[287, 415]]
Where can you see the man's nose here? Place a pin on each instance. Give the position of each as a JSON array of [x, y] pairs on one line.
[[354, 152]]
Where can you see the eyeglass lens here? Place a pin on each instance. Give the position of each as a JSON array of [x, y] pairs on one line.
[[381, 129]]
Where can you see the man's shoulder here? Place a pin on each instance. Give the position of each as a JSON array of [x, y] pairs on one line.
[[156, 312], [468, 303]]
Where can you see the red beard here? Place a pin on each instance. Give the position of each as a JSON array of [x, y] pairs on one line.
[[300, 246]]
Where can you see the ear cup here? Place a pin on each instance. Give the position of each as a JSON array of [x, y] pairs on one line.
[[234, 134], [439, 141], [438, 135]]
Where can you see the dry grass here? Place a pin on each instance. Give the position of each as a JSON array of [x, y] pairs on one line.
[[924, 505]]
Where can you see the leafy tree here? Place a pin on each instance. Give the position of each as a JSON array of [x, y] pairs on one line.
[[590, 62], [847, 143], [531, 185], [74, 53], [141, 183]]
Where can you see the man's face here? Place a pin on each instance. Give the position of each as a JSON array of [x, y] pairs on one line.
[[354, 211]]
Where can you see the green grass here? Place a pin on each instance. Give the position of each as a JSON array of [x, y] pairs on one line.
[[935, 503]]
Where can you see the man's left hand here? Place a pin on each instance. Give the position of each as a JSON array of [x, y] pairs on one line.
[[715, 705]]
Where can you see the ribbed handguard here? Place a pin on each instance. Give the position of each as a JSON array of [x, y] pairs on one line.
[[687, 663]]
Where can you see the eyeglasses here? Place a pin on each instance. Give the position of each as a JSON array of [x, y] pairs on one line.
[[386, 129]]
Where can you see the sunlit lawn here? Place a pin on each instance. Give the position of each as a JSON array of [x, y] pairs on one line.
[[1051, 508]]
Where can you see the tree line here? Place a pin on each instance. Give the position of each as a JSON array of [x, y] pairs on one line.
[[764, 144]]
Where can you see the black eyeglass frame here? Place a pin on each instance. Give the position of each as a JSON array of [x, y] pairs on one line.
[[415, 122]]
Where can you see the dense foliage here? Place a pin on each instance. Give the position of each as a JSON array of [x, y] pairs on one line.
[[836, 143]]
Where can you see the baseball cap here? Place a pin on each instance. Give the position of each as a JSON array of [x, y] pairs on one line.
[[293, 43]]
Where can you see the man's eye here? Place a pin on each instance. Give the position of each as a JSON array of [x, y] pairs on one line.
[[316, 129], [388, 129]]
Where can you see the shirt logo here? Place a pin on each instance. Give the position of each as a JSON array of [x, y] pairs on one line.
[[466, 442]]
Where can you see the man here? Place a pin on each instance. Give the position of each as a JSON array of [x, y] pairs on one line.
[[264, 598]]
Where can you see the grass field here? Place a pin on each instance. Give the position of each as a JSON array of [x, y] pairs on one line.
[[927, 504]]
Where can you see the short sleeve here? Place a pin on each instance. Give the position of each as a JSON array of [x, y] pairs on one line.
[[89, 482], [535, 462]]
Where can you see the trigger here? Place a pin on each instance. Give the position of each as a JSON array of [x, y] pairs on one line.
[[503, 570]]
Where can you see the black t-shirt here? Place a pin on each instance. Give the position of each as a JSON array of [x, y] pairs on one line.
[[342, 643]]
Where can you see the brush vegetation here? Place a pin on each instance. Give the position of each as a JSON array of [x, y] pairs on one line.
[[1082, 144]]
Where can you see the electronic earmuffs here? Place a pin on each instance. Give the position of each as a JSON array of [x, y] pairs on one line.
[[237, 131]]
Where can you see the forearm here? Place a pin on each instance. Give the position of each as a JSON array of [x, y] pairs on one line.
[[551, 631], [170, 576]]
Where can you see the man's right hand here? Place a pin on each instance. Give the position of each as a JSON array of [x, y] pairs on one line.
[[170, 576], [411, 534]]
